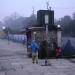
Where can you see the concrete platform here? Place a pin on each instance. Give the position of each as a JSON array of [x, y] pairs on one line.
[[15, 62]]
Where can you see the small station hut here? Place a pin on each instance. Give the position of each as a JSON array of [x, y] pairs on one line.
[[45, 30]]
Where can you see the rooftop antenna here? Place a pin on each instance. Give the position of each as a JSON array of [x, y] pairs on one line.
[[50, 8], [33, 10], [47, 5]]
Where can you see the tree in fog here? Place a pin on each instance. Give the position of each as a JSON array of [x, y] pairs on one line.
[[1, 25], [68, 25], [74, 16], [65, 23], [30, 21], [16, 22]]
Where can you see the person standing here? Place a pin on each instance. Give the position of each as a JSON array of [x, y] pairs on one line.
[[58, 52], [35, 48], [43, 49]]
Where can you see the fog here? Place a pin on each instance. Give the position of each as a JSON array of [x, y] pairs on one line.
[[24, 7]]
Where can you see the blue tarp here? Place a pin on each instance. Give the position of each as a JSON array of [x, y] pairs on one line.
[[68, 49]]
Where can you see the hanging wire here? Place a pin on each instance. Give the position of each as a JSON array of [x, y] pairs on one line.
[[64, 8]]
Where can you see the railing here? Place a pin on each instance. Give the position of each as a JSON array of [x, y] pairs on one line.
[[16, 38]]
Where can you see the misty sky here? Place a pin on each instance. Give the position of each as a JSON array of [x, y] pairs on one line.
[[24, 7]]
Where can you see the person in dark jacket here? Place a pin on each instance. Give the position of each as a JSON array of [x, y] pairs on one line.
[[43, 49], [34, 47]]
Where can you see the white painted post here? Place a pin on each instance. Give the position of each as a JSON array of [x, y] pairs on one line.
[[59, 43], [34, 35]]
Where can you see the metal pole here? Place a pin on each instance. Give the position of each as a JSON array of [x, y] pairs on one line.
[[46, 60], [8, 37], [47, 33], [47, 37]]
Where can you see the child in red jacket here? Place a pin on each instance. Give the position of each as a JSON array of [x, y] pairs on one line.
[[58, 51]]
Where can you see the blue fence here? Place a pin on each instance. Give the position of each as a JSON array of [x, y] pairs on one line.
[[17, 38]]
